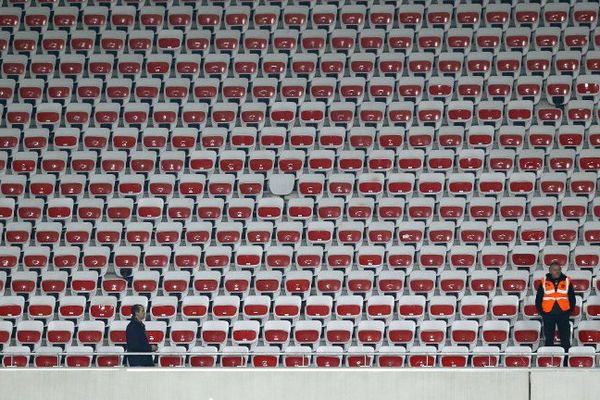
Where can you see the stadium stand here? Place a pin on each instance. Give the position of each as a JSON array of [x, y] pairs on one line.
[[297, 183]]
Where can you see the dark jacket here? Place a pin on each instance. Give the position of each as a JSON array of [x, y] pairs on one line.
[[556, 309], [137, 342]]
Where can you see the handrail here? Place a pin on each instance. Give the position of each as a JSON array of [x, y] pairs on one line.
[[311, 352], [305, 357]]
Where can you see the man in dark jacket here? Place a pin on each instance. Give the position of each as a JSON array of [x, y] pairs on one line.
[[137, 342], [555, 301]]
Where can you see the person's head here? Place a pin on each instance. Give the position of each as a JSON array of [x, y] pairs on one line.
[[138, 312], [555, 270]]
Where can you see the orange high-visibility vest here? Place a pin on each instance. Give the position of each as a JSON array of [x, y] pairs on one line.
[[556, 294]]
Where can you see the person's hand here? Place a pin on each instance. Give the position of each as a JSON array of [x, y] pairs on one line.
[[154, 347]]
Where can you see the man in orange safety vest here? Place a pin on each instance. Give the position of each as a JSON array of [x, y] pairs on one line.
[[555, 301]]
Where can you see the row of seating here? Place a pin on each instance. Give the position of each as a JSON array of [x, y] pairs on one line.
[[342, 333], [302, 14], [372, 114], [564, 236], [303, 356], [211, 142], [568, 213], [423, 306], [330, 282], [345, 97]]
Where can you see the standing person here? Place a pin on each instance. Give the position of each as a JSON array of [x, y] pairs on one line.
[[555, 301], [137, 342]]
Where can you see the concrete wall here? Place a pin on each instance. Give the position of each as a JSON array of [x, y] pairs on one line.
[[298, 384]]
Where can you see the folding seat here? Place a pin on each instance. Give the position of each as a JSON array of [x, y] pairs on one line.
[[411, 233], [431, 184], [591, 232], [313, 41], [30, 91], [226, 307], [42, 308], [308, 333], [489, 39], [464, 333], [14, 66], [495, 333], [550, 357], [483, 282], [13, 186], [548, 115], [331, 357], [18, 233], [237, 283], [485, 356], [554, 184], [547, 39], [419, 65], [342, 41], [103, 308], [26, 42], [422, 356], [322, 89], [129, 257], [566, 232], [221, 186], [163, 308], [581, 357], [361, 282], [339, 258], [555, 253], [389, 209], [18, 115], [72, 308], [90, 333], [368, 334], [218, 257], [42, 66], [454, 356], [505, 306], [338, 333], [36, 259], [562, 160], [156, 258], [587, 333], [16, 356], [533, 233], [422, 282], [527, 15], [430, 40], [59, 333], [528, 88], [585, 257], [47, 356], [442, 307], [193, 308], [54, 162], [23, 283], [568, 63], [411, 89], [402, 184], [582, 184], [517, 356], [380, 308], [31, 210], [36, 19], [412, 307], [589, 160], [309, 258]]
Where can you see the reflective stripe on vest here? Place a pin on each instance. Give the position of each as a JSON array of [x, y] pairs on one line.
[[555, 294]]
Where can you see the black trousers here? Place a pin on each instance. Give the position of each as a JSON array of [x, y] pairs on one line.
[[560, 322]]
